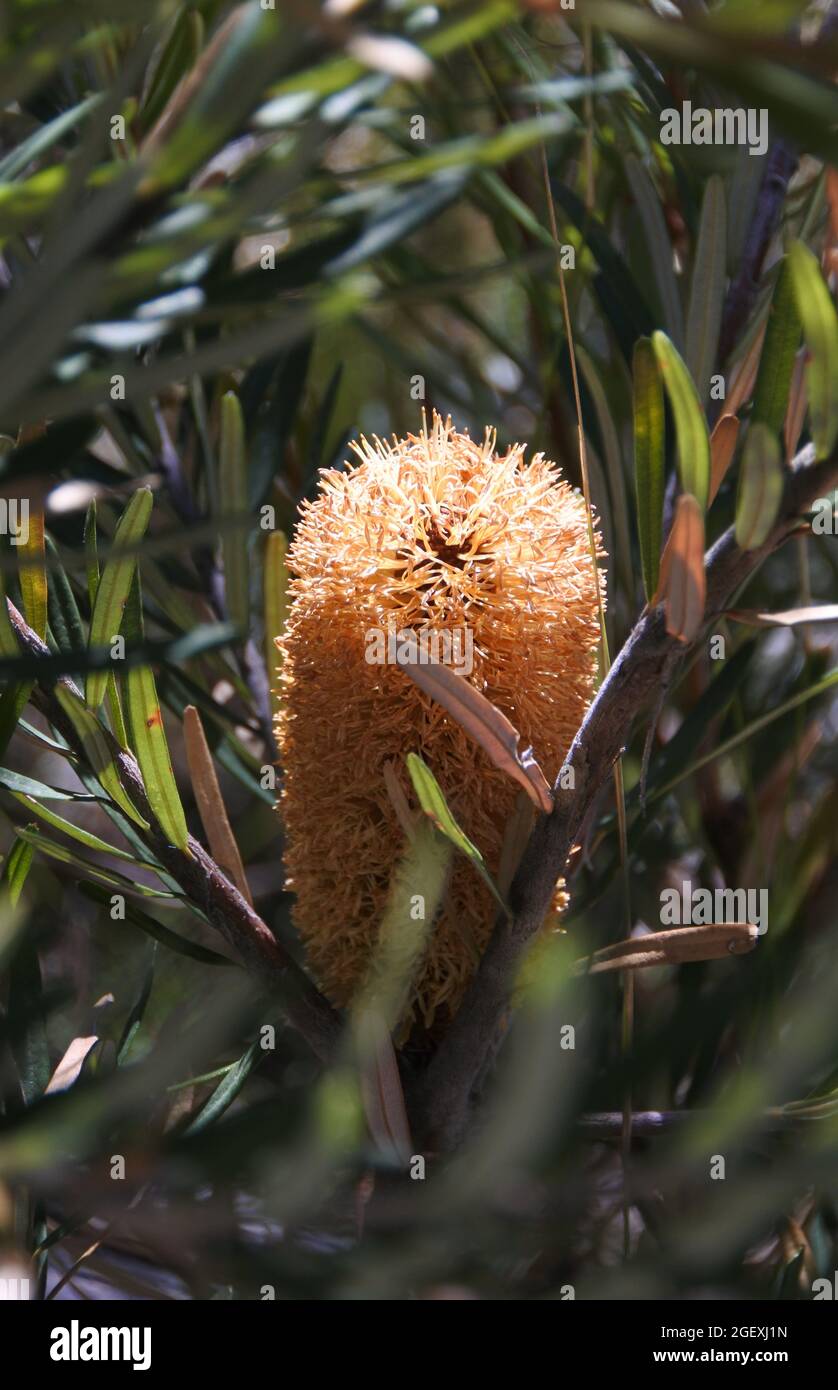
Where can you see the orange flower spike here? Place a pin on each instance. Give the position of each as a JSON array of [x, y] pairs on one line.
[[431, 533]]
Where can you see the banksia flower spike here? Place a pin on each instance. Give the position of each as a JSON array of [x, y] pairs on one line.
[[431, 533]]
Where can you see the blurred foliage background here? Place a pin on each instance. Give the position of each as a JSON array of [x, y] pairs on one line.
[[233, 238]]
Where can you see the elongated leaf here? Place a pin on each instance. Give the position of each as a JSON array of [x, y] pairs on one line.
[[148, 737], [173, 941], [99, 752], [227, 1089], [820, 329], [33, 575], [704, 317], [482, 721], [798, 405], [613, 462], [16, 869], [29, 786], [690, 423], [76, 832], [219, 833], [660, 252], [782, 338], [419, 880], [14, 698], [176, 57], [233, 502], [682, 578], [433, 803], [91, 556], [791, 617], [714, 941], [723, 442], [114, 587], [64, 855], [381, 1087], [26, 1020], [275, 607], [760, 487], [649, 460]]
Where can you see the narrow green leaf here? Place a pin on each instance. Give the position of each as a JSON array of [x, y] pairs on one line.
[[659, 246], [68, 827], [704, 316], [173, 941], [16, 782], [101, 756], [227, 1089], [33, 575], [64, 616], [433, 803], [16, 868], [14, 698], [45, 137], [820, 329], [776, 366], [233, 504], [176, 57], [423, 869], [134, 1020], [276, 607], [91, 555], [26, 1020], [761, 480], [148, 737], [690, 423], [613, 458], [64, 855], [649, 460], [114, 586]]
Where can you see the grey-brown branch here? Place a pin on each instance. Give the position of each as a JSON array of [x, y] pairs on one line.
[[207, 887], [443, 1096]]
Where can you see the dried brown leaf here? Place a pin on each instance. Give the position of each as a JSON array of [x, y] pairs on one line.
[[210, 803]]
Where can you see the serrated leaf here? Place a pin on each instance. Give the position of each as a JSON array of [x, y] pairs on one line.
[[649, 459], [704, 317], [100, 754], [234, 505], [820, 329], [782, 338], [761, 480], [148, 736], [433, 803], [690, 424], [114, 587]]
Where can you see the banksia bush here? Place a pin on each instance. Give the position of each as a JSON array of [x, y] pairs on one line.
[[433, 532]]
